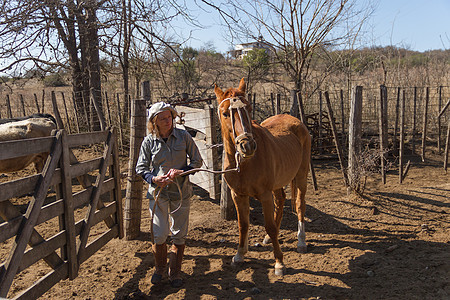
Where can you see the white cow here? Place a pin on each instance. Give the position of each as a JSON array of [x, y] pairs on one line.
[[25, 129]]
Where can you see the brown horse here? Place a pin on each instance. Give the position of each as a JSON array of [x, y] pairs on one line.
[[268, 156]]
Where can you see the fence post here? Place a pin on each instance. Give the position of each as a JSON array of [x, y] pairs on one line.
[[425, 120], [56, 112], [68, 222], [413, 137], [383, 127], [227, 210], [8, 106], [394, 139], [342, 116], [447, 146], [272, 102], [439, 120], [69, 127], [107, 109], [22, 104], [294, 107], [43, 101], [319, 130], [301, 113], [119, 115], [336, 139], [278, 105], [355, 124], [36, 103], [402, 136], [133, 203], [75, 111]]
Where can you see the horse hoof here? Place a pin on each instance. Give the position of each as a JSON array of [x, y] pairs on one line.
[[236, 261], [301, 249], [267, 240], [280, 271]]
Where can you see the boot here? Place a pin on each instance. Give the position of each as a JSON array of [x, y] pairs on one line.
[[160, 253], [175, 259]]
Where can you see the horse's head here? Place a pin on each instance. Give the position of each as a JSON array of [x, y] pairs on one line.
[[234, 113]]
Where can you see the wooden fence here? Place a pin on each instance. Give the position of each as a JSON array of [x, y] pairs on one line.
[[76, 238]]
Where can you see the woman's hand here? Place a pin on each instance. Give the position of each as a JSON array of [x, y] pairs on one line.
[[161, 180], [173, 173]]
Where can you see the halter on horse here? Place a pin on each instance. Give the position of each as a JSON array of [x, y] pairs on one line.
[[246, 145]]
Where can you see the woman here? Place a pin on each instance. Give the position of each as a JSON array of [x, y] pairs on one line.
[[162, 158]]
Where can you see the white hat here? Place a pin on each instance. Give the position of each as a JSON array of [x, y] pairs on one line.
[[160, 107]]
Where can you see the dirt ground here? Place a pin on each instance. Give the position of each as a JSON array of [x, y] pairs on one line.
[[392, 243]]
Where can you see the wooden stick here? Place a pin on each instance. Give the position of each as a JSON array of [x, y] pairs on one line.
[[319, 134], [119, 114], [36, 103], [383, 130], [43, 100], [413, 138], [444, 108], [278, 105], [254, 106], [67, 114], [8, 106], [107, 109], [272, 102], [336, 139], [394, 139], [342, 116], [447, 146], [59, 121], [439, 120], [425, 120], [402, 137], [302, 118], [75, 110], [22, 102], [355, 127]]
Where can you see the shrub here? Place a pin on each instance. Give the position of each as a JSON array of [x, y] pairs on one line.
[[54, 80]]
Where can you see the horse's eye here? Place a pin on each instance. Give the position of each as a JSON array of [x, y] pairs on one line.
[[226, 114]]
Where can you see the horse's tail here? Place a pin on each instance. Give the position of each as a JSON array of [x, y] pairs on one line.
[[293, 194]]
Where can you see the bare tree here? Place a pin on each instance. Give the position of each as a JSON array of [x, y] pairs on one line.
[[298, 29], [51, 34]]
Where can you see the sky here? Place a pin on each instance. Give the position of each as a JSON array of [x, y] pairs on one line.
[[418, 25]]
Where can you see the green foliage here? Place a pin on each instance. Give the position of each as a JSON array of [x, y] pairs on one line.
[[257, 59], [186, 74], [189, 54], [4, 79], [54, 80]]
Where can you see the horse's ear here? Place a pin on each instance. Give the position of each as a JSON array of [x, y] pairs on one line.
[[242, 85], [218, 92]]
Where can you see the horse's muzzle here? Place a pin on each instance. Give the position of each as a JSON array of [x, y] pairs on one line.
[[246, 147]]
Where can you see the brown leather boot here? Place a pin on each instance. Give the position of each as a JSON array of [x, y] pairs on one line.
[[176, 254], [160, 253]]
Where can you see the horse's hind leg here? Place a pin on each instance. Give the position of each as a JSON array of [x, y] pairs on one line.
[[242, 204], [300, 184], [279, 197]]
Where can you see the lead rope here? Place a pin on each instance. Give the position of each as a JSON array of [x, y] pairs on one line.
[[237, 169]]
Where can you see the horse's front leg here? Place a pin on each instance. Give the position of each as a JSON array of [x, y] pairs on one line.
[[243, 211], [272, 230]]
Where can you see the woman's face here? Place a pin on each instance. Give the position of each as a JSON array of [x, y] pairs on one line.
[[164, 122]]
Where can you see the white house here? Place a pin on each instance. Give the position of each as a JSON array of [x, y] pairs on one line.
[[242, 50]]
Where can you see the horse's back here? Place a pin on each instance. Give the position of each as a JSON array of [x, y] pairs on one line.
[[282, 125]]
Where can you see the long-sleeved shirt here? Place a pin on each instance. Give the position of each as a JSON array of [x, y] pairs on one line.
[[157, 157]]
